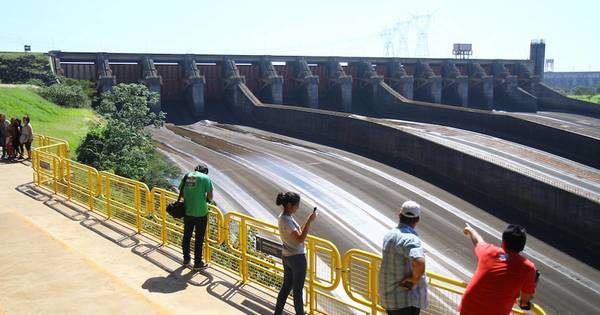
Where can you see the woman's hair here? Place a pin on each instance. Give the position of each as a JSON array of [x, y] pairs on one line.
[[26, 119], [283, 199]]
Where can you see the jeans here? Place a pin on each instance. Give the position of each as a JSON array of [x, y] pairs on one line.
[[189, 225], [411, 310], [294, 274]]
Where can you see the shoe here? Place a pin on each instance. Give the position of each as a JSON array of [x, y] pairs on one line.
[[186, 262], [200, 266]]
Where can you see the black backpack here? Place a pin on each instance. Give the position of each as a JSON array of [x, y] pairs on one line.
[[177, 209]]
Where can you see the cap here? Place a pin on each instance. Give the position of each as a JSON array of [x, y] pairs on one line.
[[410, 209]]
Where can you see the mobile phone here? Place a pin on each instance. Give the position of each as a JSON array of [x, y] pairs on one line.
[[314, 209]]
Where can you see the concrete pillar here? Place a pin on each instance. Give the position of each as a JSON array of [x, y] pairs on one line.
[[194, 87], [537, 54], [232, 79], [507, 93], [271, 89], [455, 87], [368, 83], [153, 81], [340, 86], [428, 86], [398, 79], [481, 87], [58, 70], [308, 84], [106, 79], [526, 79]]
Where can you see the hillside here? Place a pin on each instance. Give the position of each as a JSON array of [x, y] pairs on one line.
[[47, 118]]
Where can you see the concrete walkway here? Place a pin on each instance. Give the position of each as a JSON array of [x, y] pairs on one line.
[[56, 258]]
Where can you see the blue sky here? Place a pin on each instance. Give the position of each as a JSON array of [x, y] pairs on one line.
[[497, 29]]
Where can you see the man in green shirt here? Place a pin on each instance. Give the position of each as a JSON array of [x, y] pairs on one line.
[[197, 192]]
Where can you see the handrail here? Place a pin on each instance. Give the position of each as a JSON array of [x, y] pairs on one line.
[[231, 238]]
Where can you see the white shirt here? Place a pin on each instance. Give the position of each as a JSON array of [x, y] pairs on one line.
[[287, 225]]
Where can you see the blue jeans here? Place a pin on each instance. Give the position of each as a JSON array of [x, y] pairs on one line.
[[294, 274]]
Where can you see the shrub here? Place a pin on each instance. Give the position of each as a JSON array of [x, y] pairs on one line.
[[584, 91], [88, 87], [36, 82], [65, 95], [21, 67]]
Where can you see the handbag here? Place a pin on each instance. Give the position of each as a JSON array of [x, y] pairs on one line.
[[177, 209]]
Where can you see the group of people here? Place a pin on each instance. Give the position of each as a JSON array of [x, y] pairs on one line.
[[16, 137], [503, 275]]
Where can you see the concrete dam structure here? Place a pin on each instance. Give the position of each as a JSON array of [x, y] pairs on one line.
[[340, 83]]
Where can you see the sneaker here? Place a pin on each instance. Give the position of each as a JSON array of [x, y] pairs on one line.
[[200, 266], [186, 262]]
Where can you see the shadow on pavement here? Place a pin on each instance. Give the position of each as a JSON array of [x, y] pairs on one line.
[[231, 294]]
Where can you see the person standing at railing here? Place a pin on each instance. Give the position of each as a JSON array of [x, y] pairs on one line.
[[17, 146], [197, 192], [502, 275], [4, 124], [402, 284], [294, 257], [26, 136]]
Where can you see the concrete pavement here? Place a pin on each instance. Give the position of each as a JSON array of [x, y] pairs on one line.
[[57, 258]]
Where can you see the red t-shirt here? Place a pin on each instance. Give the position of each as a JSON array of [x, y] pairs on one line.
[[498, 281]]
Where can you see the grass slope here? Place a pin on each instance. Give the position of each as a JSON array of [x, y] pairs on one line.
[[587, 98], [47, 118]]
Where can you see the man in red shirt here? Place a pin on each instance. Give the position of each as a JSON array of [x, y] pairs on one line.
[[502, 275]]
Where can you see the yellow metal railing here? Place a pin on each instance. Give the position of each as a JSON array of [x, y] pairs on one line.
[[231, 238]]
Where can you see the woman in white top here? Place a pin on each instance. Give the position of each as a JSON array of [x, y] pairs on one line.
[[26, 136], [294, 258]]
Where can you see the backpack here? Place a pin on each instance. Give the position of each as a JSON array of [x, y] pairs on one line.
[[177, 209]]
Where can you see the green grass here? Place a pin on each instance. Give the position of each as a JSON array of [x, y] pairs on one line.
[[47, 118], [587, 98]]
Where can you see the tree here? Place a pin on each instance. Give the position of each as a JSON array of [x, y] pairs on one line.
[[121, 145], [129, 103]]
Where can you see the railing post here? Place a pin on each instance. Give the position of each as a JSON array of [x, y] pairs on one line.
[[311, 277], [108, 198], [163, 217], [373, 282], [243, 240], [68, 181], [54, 175], [138, 208], [90, 193], [206, 249]]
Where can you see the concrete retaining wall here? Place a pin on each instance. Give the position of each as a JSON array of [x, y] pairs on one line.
[[582, 149]]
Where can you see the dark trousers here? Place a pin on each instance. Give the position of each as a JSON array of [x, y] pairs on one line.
[[294, 274], [405, 311], [189, 225]]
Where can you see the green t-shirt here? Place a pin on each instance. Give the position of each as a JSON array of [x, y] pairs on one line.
[[194, 194]]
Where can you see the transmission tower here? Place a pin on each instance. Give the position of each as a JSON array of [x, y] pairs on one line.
[[422, 23], [402, 30], [387, 36]]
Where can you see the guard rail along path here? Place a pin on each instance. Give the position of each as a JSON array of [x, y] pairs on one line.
[[335, 284]]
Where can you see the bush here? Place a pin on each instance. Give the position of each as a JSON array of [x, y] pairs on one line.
[[36, 82], [584, 91], [65, 95], [88, 87], [21, 67]]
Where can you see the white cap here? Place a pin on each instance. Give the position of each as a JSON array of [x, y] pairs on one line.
[[410, 209]]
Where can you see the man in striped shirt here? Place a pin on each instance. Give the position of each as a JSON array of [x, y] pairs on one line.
[[402, 284]]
